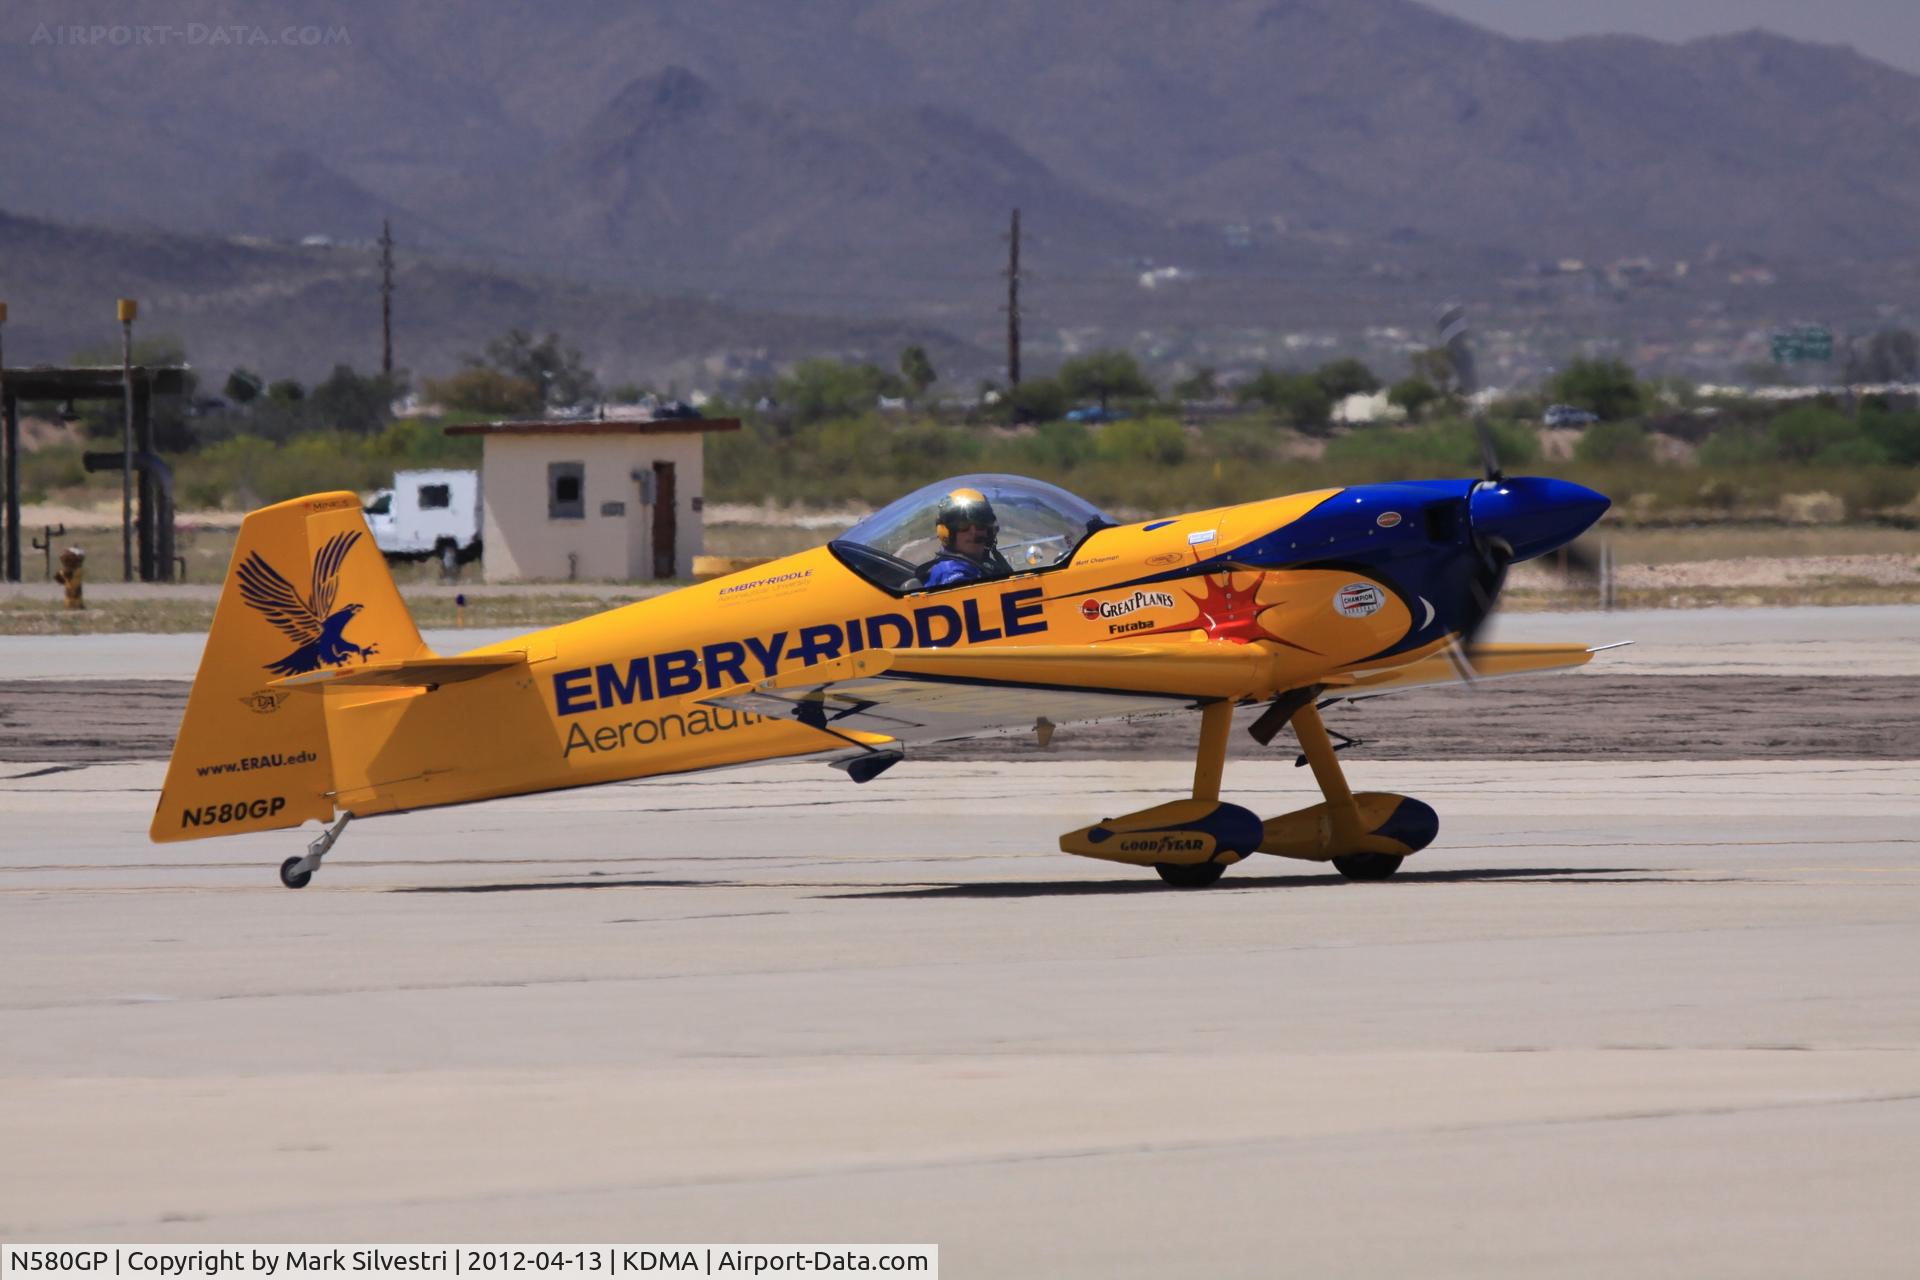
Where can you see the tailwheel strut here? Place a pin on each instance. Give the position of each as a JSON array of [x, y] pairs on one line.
[[295, 873]]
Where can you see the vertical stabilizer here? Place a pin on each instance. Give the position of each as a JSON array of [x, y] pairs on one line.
[[307, 591]]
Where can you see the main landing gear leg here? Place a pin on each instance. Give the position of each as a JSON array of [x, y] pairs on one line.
[[1344, 814], [296, 872], [1209, 763]]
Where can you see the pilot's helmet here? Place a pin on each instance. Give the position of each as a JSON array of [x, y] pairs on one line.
[[966, 509]]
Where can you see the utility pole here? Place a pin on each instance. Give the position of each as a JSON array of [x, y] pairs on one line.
[[1013, 303], [129, 308], [10, 478], [386, 299]]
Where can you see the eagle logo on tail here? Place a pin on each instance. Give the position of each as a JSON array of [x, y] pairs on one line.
[[311, 623]]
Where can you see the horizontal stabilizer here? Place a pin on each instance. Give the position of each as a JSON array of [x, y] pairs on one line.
[[421, 673]]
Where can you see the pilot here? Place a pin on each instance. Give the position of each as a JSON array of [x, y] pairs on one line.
[[967, 529]]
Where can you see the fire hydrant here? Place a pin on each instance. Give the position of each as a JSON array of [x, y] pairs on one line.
[[73, 562]]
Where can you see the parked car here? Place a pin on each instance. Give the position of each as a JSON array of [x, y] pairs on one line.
[[1094, 413], [428, 513], [1566, 415]]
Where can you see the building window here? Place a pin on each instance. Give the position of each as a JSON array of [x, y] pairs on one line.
[[566, 490], [435, 497]]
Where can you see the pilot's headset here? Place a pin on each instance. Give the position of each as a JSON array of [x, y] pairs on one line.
[[966, 509]]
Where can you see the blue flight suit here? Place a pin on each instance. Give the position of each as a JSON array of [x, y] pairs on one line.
[[952, 569]]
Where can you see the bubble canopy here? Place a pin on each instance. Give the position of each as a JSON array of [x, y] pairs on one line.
[[1041, 525]]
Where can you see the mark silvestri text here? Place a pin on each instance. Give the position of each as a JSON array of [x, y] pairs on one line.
[[588, 1261]]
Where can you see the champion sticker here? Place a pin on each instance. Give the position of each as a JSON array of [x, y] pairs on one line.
[[1387, 519], [1359, 600], [1205, 535]]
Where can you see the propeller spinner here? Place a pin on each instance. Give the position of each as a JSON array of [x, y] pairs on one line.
[[1508, 520]]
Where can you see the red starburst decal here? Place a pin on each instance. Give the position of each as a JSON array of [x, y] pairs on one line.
[[1229, 611]]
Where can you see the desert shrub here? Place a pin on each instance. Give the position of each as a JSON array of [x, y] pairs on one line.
[[1413, 395], [411, 442], [1897, 434], [484, 391], [1297, 399], [1054, 446], [246, 471], [1737, 445], [1851, 451], [1345, 377], [1158, 441], [1242, 440], [928, 448], [816, 390], [1607, 387], [51, 467], [1614, 442], [1036, 400], [1804, 432], [348, 401], [1448, 447], [1103, 376]]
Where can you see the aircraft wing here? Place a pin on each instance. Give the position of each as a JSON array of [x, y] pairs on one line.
[[934, 695], [1488, 662]]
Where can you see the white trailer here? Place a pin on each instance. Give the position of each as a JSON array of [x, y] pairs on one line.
[[428, 513]]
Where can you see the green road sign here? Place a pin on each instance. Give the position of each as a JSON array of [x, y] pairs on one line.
[[1802, 342]]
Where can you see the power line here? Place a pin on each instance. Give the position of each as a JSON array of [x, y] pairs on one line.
[[1013, 303], [386, 298]]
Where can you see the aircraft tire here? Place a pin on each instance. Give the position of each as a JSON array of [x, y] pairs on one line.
[[1197, 876], [1368, 866], [290, 878]]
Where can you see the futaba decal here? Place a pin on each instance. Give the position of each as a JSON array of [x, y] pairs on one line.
[[1359, 600]]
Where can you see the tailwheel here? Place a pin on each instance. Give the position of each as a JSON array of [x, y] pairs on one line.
[[1368, 866], [1195, 876], [292, 876]]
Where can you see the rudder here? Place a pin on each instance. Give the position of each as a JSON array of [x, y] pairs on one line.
[[307, 591]]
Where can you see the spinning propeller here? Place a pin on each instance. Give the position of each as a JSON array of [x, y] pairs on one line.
[[1492, 505], [1506, 521]]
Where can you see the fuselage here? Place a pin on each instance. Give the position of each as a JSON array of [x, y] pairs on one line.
[[1319, 582]]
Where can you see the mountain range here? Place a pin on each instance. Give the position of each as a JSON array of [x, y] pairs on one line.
[[297, 310], [861, 157]]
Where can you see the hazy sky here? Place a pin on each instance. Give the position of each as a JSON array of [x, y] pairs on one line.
[[1885, 29]]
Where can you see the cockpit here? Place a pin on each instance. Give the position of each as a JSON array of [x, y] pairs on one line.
[[1040, 526]]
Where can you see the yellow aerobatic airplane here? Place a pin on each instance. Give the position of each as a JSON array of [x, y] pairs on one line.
[[317, 699]]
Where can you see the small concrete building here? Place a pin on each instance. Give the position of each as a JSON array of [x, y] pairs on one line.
[[592, 500]]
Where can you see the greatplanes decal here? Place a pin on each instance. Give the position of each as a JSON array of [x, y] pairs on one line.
[[678, 672], [311, 623]]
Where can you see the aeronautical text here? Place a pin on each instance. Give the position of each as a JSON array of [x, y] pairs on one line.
[[648, 730]]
